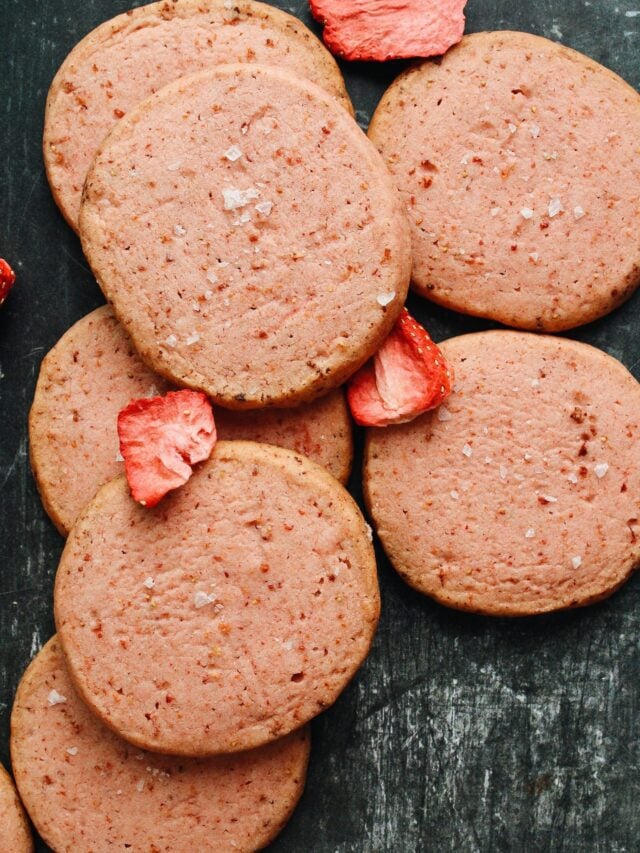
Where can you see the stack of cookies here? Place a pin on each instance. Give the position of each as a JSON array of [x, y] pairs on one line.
[[253, 244]]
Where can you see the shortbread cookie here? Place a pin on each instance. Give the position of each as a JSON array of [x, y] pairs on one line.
[[93, 372], [248, 236], [226, 617], [521, 495], [86, 789], [85, 380], [130, 57], [14, 827], [518, 162]]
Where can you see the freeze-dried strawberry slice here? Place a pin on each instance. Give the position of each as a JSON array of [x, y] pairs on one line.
[[161, 438], [7, 278], [390, 29], [406, 377]]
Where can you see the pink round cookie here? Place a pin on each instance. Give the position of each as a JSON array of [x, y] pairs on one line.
[[130, 57], [93, 372], [14, 827], [518, 162], [85, 380], [520, 495], [86, 789], [226, 617], [248, 236]]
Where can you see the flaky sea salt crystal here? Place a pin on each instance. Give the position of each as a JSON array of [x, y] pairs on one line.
[[600, 469], [73, 750], [55, 698], [455, 494], [526, 213], [173, 167], [495, 211], [385, 298], [264, 207], [119, 457], [201, 599], [208, 294], [193, 338], [534, 130], [171, 341], [243, 219], [512, 128], [576, 562], [555, 207], [572, 478], [578, 212], [179, 231], [549, 499], [149, 583], [235, 198], [534, 256], [443, 414], [212, 278], [233, 153], [140, 786], [369, 532], [530, 533], [467, 450], [535, 383], [503, 472]]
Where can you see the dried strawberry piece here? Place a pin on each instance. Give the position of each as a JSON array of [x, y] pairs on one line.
[[406, 377], [161, 438], [7, 279], [389, 29]]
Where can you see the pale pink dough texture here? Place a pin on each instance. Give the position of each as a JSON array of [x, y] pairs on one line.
[[321, 430], [93, 372], [248, 236], [88, 790], [228, 616], [85, 380], [15, 834], [519, 164], [130, 57], [522, 493]]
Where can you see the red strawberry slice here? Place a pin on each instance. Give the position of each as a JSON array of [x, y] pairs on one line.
[[7, 278], [406, 377], [160, 438], [389, 29]]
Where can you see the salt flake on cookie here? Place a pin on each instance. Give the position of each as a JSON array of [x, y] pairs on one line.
[[406, 377], [161, 438]]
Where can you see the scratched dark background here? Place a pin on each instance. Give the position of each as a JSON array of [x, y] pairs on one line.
[[459, 733]]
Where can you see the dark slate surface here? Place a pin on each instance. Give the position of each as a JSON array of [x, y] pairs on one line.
[[459, 733]]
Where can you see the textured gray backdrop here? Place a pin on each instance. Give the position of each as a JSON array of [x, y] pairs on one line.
[[459, 733]]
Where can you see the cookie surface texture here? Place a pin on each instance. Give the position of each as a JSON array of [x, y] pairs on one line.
[[14, 827], [520, 495], [518, 161], [86, 789], [85, 380], [249, 597], [130, 57], [247, 254], [321, 430]]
